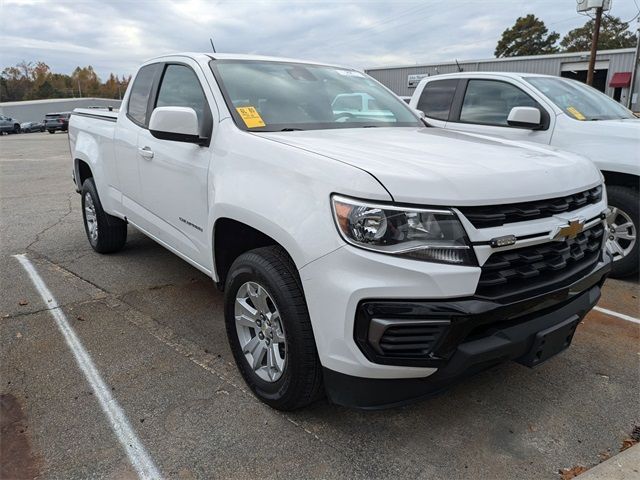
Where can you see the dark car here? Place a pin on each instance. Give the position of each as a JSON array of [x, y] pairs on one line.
[[29, 127], [57, 121]]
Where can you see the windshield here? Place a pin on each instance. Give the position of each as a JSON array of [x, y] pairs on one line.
[[277, 96], [578, 100]]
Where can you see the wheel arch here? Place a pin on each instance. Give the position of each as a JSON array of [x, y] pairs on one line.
[[82, 171], [231, 238], [621, 179]]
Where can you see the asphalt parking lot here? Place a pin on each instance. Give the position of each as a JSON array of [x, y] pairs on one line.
[[153, 327]]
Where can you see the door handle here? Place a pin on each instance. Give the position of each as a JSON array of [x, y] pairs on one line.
[[146, 152]]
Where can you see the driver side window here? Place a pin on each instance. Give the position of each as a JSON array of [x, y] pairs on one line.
[[180, 87], [488, 102]]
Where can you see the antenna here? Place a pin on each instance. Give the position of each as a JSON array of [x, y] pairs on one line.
[[212, 47], [459, 67]]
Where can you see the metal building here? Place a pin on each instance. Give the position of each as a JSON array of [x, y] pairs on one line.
[[35, 110], [613, 73]]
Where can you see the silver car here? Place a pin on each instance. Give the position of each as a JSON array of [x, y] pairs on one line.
[[9, 125]]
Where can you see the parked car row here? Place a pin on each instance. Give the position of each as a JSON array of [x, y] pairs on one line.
[[52, 123]]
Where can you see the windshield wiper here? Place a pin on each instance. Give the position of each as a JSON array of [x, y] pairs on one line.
[[289, 129]]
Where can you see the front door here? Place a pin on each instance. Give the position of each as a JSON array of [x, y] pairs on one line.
[[485, 108], [174, 175]]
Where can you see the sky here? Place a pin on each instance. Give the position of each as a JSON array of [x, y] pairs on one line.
[[116, 36]]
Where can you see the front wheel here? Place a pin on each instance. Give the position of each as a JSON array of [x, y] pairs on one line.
[[269, 329], [105, 232], [622, 223], [52, 131]]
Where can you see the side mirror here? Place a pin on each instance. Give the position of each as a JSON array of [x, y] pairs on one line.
[[525, 117], [420, 113], [179, 124]]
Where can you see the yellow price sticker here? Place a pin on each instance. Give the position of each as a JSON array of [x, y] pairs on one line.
[[576, 114], [250, 117]]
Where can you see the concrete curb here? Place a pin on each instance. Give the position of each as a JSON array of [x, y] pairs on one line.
[[624, 466]]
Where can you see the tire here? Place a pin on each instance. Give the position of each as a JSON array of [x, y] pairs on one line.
[[624, 203], [52, 131], [111, 233], [16, 128], [300, 377]]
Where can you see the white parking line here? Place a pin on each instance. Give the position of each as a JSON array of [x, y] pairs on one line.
[[138, 456], [617, 315]]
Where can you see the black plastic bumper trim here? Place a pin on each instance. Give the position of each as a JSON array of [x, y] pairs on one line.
[[517, 341], [470, 317]]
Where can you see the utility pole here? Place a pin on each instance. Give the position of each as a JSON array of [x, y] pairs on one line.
[[636, 57], [594, 46]]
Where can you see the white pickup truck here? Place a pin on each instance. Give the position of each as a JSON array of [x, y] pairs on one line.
[[554, 111], [371, 258]]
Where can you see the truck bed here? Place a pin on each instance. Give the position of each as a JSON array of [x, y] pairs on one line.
[[99, 113]]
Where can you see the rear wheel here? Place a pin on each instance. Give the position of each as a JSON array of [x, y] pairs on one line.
[[269, 329], [623, 222], [105, 232], [52, 131], [16, 128]]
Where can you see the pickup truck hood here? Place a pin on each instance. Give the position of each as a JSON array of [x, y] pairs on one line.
[[439, 167], [613, 145]]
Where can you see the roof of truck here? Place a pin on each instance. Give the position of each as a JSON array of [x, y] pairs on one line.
[[490, 74], [243, 56]]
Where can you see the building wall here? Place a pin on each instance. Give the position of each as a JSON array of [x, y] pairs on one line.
[[396, 78], [35, 110]]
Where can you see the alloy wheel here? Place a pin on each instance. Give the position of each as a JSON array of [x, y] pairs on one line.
[[260, 331], [621, 233], [91, 218]]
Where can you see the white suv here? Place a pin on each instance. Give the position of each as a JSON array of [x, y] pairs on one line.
[[554, 111]]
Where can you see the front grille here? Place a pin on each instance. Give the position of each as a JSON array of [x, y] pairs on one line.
[[410, 340], [551, 263], [497, 215]]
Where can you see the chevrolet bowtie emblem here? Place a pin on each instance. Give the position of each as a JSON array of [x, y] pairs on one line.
[[568, 231]]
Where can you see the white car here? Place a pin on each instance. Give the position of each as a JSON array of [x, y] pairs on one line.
[[377, 265], [553, 111]]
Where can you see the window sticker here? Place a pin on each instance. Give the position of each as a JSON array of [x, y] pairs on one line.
[[250, 116], [349, 73], [576, 113]]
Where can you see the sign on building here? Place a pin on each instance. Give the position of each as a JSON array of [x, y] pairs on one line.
[[414, 80]]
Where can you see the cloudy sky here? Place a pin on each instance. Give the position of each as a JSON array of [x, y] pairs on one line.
[[116, 35]]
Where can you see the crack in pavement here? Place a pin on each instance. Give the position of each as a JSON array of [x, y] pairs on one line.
[[56, 223], [185, 348]]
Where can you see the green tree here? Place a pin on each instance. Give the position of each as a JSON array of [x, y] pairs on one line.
[[614, 33], [528, 36]]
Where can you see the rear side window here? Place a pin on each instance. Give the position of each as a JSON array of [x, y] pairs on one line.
[[180, 87], [140, 92], [437, 97], [488, 102]]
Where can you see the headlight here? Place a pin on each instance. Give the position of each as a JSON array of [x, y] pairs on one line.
[[434, 235]]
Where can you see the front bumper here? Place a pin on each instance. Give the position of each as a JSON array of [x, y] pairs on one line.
[[482, 334]]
